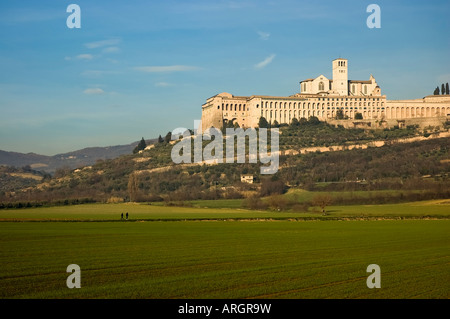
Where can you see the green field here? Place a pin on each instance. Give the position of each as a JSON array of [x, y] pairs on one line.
[[224, 257], [221, 209]]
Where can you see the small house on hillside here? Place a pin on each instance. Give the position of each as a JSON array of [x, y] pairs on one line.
[[247, 178]]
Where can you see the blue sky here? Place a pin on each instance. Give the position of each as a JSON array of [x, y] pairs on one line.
[[142, 68]]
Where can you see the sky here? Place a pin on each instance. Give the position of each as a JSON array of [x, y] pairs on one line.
[[143, 68]]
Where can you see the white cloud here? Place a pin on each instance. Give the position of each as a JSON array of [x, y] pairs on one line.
[[103, 43], [265, 62], [93, 91], [168, 68], [111, 50], [163, 84], [84, 57], [263, 35]]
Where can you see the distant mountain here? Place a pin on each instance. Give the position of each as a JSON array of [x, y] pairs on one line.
[[84, 157]]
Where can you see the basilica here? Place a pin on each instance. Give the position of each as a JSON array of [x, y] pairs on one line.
[[327, 99]]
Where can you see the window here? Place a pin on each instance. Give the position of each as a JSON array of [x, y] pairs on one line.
[[321, 86]]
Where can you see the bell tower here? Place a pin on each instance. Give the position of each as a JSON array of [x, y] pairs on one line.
[[340, 76]]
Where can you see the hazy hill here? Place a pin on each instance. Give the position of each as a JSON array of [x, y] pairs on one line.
[[75, 159]]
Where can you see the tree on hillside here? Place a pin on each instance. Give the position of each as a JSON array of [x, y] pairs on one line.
[[275, 124], [303, 121], [436, 91], [340, 114], [443, 89], [160, 139], [446, 89], [314, 120], [322, 200], [358, 116], [263, 122], [294, 122], [168, 137], [132, 187], [140, 147]]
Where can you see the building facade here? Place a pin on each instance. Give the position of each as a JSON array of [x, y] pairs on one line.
[[323, 98]]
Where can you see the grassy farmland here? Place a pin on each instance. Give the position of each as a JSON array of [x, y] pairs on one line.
[[221, 209], [224, 259]]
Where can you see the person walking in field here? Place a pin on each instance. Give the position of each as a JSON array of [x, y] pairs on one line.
[[121, 216], [127, 215]]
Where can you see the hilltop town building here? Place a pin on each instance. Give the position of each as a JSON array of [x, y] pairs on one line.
[[324, 98]]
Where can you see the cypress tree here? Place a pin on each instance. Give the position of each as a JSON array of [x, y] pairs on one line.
[[263, 123], [140, 147], [436, 91], [168, 137], [446, 89]]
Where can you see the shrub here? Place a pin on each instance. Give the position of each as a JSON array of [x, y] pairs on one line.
[[300, 207], [269, 187], [254, 202], [115, 200], [278, 202]]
